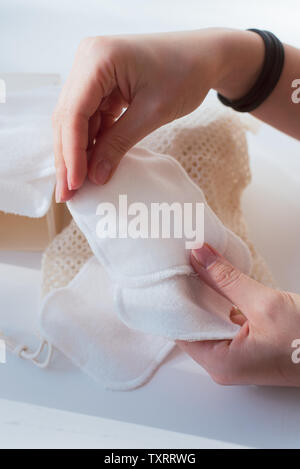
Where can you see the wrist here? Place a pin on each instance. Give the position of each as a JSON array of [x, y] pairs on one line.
[[242, 56], [208, 56]]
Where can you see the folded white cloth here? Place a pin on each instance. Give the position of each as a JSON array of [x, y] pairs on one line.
[[27, 173], [80, 321], [119, 327]]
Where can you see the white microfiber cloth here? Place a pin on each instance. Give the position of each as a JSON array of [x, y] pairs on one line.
[[118, 318], [27, 173], [81, 322]]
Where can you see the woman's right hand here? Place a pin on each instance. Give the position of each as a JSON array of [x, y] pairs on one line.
[[266, 349], [156, 77]]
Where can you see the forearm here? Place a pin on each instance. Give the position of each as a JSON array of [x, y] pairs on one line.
[[243, 56]]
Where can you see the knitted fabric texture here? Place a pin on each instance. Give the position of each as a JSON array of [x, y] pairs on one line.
[[211, 146]]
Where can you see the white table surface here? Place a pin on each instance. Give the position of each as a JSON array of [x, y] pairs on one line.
[[30, 426], [63, 407]]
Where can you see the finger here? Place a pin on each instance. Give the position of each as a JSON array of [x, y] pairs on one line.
[[212, 355], [113, 103], [105, 116], [94, 127], [247, 294], [74, 144], [224, 360], [111, 110], [237, 317], [62, 193], [80, 100], [114, 142]]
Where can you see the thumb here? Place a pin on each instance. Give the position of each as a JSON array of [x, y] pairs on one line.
[[140, 118], [242, 291]]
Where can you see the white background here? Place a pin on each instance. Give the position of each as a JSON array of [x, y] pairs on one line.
[[42, 36]]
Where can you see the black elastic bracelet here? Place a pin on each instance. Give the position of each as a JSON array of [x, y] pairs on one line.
[[268, 78]]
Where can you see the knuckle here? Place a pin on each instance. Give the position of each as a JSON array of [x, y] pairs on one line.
[[288, 299], [60, 115], [225, 275], [66, 114], [95, 44], [103, 41], [85, 43], [70, 118]]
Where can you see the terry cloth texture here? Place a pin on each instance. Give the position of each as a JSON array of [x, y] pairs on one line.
[[27, 173]]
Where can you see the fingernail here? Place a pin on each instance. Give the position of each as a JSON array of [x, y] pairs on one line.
[[103, 170], [58, 192], [70, 185], [204, 256]]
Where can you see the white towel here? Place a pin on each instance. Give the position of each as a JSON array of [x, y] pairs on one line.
[[27, 173], [80, 321], [119, 327]]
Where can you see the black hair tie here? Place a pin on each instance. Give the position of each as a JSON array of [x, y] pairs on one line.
[[268, 78]]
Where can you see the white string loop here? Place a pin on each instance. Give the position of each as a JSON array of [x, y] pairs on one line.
[[23, 351]]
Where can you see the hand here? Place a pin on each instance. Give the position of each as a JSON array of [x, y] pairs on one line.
[[156, 77], [261, 352]]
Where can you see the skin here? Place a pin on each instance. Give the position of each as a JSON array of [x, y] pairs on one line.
[[157, 78], [270, 321]]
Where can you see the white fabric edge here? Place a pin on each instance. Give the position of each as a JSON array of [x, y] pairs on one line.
[[241, 245], [16, 200], [179, 336], [116, 385]]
